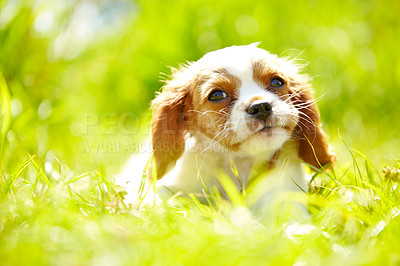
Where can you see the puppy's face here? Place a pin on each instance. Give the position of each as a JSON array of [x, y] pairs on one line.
[[244, 100], [242, 97]]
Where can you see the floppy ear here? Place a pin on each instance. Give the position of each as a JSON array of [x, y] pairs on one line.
[[168, 129], [313, 143]]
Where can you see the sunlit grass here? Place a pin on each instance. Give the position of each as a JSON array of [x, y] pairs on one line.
[[63, 218]]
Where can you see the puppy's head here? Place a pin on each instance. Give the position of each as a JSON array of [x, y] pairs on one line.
[[243, 98]]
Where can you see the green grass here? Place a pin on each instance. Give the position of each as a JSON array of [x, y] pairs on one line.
[[60, 218], [75, 103]]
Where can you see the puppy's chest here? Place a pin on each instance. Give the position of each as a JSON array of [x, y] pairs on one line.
[[196, 169]]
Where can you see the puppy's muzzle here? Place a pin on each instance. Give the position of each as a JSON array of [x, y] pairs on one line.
[[260, 110]]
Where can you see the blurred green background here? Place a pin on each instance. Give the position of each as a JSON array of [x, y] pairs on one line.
[[81, 74]]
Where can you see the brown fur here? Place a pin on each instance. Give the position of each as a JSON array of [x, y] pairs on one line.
[[169, 125], [263, 74], [313, 143]]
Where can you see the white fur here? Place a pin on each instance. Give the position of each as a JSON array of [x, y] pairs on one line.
[[199, 164], [194, 168]]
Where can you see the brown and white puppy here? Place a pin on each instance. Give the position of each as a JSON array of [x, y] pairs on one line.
[[239, 104]]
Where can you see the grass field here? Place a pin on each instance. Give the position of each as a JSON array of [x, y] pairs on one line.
[[76, 79], [62, 218]]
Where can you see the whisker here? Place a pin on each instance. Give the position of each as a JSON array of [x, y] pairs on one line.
[[224, 132], [303, 124], [306, 118], [309, 103], [310, 121], [209, 111], [310, 110]]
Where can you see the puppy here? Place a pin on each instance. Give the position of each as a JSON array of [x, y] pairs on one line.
[[239, 112]]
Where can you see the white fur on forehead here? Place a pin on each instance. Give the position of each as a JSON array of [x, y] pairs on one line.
[[236, 59], [240, 57]]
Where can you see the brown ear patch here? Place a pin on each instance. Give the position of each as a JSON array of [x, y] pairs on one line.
[[313, 143], [168, 129]]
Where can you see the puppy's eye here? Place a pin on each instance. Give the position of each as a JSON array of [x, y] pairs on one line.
[[217, 95], [277, 82]]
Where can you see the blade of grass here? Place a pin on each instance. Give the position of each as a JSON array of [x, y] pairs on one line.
[[354, 161], [343, 175], [298, 185], [140, 196], [370, 164], [5, 100], [235, 173], [39, 170], [230, 188], [322, 167], [198, 204], [324, 172], [14, 175], [217, 196], [108, 184], [206, 191], [73, 180]]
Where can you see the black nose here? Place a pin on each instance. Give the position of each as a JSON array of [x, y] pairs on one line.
[[260, 110]]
